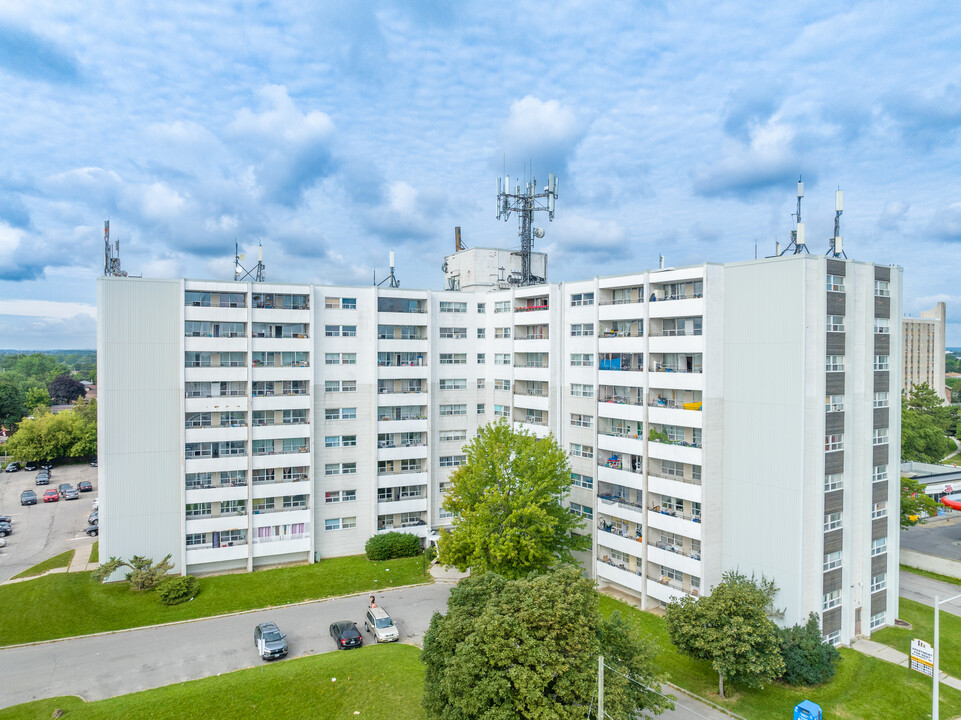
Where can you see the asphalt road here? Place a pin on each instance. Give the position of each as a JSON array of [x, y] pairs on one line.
[[103, 666], [46, 529], [922, 590]]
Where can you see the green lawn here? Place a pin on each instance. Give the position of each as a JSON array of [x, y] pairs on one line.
[[83, 606], [95, 553], [863, 687], [380, 681], [57, 561], [921, 618]]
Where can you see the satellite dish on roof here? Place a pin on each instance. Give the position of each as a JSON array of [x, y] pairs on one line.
[[538, 232]]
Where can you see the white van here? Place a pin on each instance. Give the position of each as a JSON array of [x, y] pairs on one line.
[[380, 624]]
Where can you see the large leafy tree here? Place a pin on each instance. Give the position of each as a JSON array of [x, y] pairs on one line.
[[71, 433], [507, 503], [528, 648], [924, 421], [732, 629], [915, 503], [65, 389], [12, 399], [808, 659]]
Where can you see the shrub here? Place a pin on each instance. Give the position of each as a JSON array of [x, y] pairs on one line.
[[176, 590], [392, 545], [808, 660]]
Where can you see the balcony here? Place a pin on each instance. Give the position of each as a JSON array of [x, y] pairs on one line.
[[630, 544], [666, 590], [281, 488], [621, 508], [616, 476], [402, 505], [620, 574], [202, 554], [677, 451], [673, 557], [675, 522], [674, 486]]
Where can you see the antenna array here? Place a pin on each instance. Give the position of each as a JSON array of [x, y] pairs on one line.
[[111, 254], [257, 272], [797, 235], [836, 248], [525, 204]]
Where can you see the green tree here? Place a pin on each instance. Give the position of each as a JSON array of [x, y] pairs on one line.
[[64, 389], [71, 433], [36, 396], [12, 407], [915, 503], [507, 503], [808, 659], [528, 648], [144, 573], [39, 367], [923, 426], [732, 629]]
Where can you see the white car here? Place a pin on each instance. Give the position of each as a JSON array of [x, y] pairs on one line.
[[96, 503]]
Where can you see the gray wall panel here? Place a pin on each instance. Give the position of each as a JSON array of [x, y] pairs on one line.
[[882, 382], [879, 602], [882, 418], [833, 422], [832, 580], [882, 307], [833, 462], [833, 541], [833, 501], [835, 343], [836, 267], [879, 528], [882, 273], [836, 303], [882, 344], [879, 491], [881, 455], [831, 621], [879, 564]]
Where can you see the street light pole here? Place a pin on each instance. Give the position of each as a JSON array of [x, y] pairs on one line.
[[937, 653]]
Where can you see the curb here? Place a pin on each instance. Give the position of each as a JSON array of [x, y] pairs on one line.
[[209, 617]]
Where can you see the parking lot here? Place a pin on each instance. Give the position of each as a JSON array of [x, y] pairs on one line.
[[46, 529]]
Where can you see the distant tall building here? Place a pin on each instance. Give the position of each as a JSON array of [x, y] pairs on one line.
[[924, 350], [717, 417]]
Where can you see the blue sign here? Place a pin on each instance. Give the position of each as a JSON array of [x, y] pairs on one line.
[[807, 710]]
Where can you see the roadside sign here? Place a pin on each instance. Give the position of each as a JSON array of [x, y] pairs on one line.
[[922, 657]]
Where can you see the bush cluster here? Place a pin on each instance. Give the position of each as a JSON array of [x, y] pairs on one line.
[[808, 660], [176, 590], [392, 545]]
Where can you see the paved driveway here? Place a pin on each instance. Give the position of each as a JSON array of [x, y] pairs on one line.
[[922, 589], [43, 530]]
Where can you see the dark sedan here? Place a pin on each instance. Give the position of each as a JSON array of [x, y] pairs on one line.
[[43, 478], [13, 467], [85, 486], [28, 497], [92, 530], [5, 529], [346, 634], [31, 466]]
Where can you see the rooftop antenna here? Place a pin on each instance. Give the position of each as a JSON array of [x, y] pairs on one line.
[[257, 272], [458, 243], [391, 279], [836, 248], [797, 235], [525, 203], [111, 254]]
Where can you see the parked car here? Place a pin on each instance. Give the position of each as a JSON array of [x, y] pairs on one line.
[[6, 519], [269, 641], [46, 465], [93, 518], [71, 493], [92, 530], [3, 543], [31, 466], [13, 467], [50, 495], [28, 497], [346, 634], [62, 487], [43, 479], [5, 529], [85, 486], [96, 503], [378, 622], [93, 461]]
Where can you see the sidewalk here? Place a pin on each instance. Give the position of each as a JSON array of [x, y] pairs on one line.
[[79, 563], [446, 573], [888, 654]]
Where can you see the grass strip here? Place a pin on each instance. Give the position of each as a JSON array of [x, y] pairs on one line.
[[95, 553], [921, 618], [931, 575], [863, 687], [380, 681], [57, 561], [83, 606]]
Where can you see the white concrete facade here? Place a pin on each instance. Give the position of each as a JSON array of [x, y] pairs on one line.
[[696, 405]]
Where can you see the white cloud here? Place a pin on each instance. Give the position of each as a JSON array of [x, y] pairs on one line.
[[46, 309], [544, 132]]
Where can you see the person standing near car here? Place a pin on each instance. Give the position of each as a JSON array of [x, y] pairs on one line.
[[373, 603]]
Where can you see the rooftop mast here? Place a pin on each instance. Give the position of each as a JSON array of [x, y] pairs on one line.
[[257, 272], [111, 254], [525, 204]]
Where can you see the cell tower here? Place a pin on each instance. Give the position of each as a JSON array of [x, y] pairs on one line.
[[257, 272], [391, 279], [525, 204], [111, 254], [836, 248], [797, 235]]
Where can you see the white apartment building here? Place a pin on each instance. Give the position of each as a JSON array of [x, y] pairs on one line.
[[716, 417], [924, 349]]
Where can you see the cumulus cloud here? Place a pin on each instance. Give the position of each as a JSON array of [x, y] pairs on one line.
[[588, 238], [544, 132], [407, 214]]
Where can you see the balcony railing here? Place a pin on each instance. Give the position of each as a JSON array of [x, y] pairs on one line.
[[264, 510], [400, 472], [675, 514], [674, 584], [610, 499], [391, 363], [620, 434], [681, 443], [620, 400], [674, 404], [300, 477], [658, 367], [621, 302], [677, 551], [618, 464], [211, 485], [621, 333], [677, 332], [530, 392], [391, 444], [279, 538], [530, 308], [606, 528], [619, 565], [392, 391], [678, 478]]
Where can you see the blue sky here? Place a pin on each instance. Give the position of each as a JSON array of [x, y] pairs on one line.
[[336, 133]]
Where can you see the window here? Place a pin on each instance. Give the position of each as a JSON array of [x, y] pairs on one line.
[[881, 436], [882, 362], [579, 420], [882, 288], [502, 385], [586, 391], [198, 509], [879, 510], [834, 403], [481, 383], [832, 521], [582, 329], [453, 410], [331, 441], [831, 600], [333, 303], [833, 638], [582, 360], [194, 539], [235, 507], [880, 399], [457, 333], [481, 333], [502, 333], [877, 620], [453, 307], [453, 435], [834, 363], [582, 510], [621, 557], [331, 358], [332, 330], [347, 468], [835, 283], [481, 358], [291, 502], [880, 473], [882, 326], [453, 384], [672, 503], [453, 359], [452, 460], [480, 408], [833, 481], [879, 546], [502, 411], [584, 481], [582, 299], [332, 524], [481, 308], [834, 442], [835, 323], [502, 306], [832, 560], [584, 451], [502, 358]]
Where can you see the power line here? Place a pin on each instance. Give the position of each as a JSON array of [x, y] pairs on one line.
[[656, 692]]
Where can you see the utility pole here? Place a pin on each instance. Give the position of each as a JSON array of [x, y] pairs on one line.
[[600, 687]]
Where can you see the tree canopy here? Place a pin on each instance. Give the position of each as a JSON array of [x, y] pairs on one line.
[[507, 505], [64, 389], [528, 648], [70, 433], [732, 628], [924, 420], [915, 502], [808, 659]]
